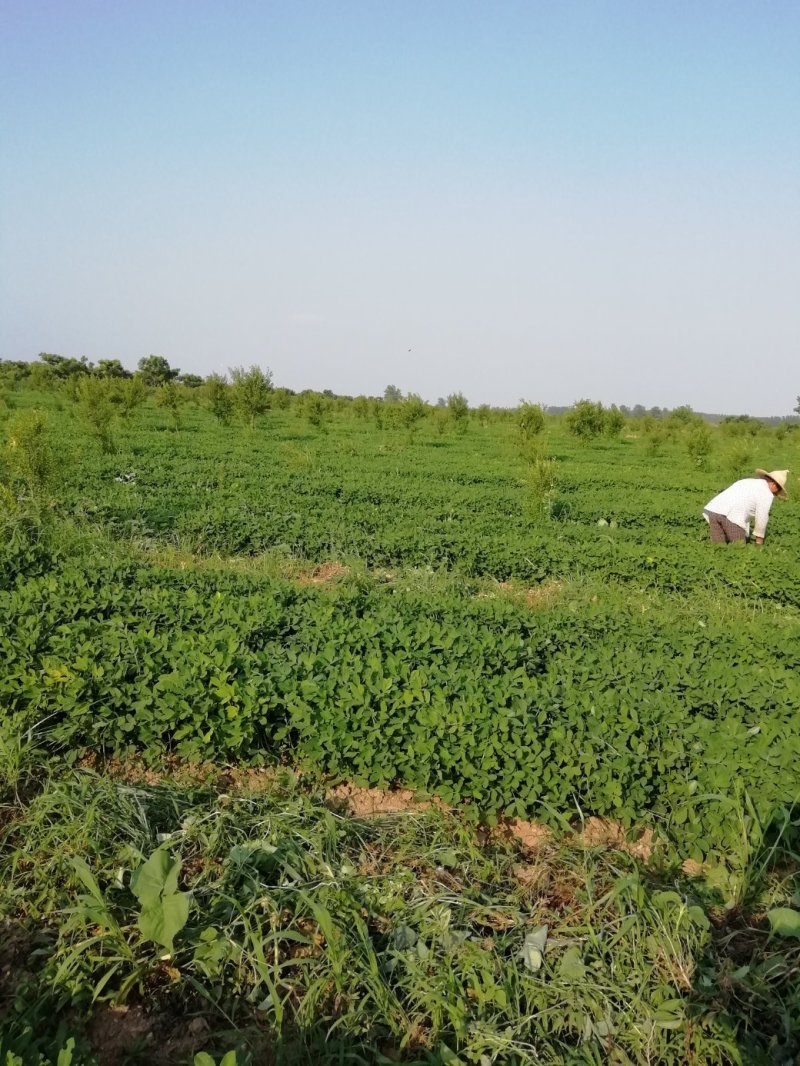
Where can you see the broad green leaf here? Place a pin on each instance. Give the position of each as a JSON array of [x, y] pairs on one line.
[[784, 921], [157, 876], [164, 918], [404, 937], [670, 1015]]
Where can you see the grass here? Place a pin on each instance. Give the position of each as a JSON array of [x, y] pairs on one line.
[[315, 934]]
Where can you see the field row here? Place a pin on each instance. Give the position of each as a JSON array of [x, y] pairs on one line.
[[480, 701]]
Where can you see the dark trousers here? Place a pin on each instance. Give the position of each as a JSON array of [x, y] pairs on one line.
[[722, 531]]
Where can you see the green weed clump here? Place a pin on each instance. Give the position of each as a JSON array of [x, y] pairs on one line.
[[289, 925]]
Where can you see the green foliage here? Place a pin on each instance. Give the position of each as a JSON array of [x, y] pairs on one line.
[[171, 397], [741, 425], [327, 936], [98, 410], [392, 394], [699, 445], [220, 398], [586, 420], [111, 368], [530, 420], [31, 456], [155, 371], [614, 422], [542, 478], [361, 407], [164, 910], [252, 392], [191, 381], [316, 409], [481, 702], [411, 411], [683, 417], [458, 408], [62, 367], [130, 394], [484, 414]]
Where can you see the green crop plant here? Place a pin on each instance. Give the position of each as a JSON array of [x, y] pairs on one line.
[[31, 455], [97, 408]]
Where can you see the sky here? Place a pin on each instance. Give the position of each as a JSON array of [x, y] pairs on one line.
[[540, 200]]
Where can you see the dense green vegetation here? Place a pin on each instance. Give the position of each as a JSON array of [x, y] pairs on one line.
[[518, 617]]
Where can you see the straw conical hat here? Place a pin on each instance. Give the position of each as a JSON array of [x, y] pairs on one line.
[[780, 477]]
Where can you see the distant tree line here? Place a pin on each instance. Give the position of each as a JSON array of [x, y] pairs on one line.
[[247, 394]]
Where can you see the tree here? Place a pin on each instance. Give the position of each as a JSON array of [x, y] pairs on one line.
[[131, 393], [220, 398], [191, 381], [797, 406], [64, 367], [170, 396], [459, 410], [586, 420], [361, 407], [411, 410], [111, 368], [392, 394], [155, 370], [316, 407], [252, 391], [699, 445], [614, 421], [95, 397], [530, 419]]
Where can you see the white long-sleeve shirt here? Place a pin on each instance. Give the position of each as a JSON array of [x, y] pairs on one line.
[[749, 498]]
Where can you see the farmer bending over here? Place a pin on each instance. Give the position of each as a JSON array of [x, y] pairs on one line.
[[729, 513]]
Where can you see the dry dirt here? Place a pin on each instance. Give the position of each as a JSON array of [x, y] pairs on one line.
[[369, 802]]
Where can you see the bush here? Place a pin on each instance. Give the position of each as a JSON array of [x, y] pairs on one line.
[[699, 445], [220, 398], [95, 399], [171, 397], [411, 411], [130, 394], [252, 391], [459, 410], [31, 456], [586, 420], [530, 420]]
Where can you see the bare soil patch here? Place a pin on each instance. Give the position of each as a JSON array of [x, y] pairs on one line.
[[369, 802], [602, 833], [117, 1032], [531, 835]]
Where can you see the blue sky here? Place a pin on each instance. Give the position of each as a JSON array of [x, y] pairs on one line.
[[540, 200]]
